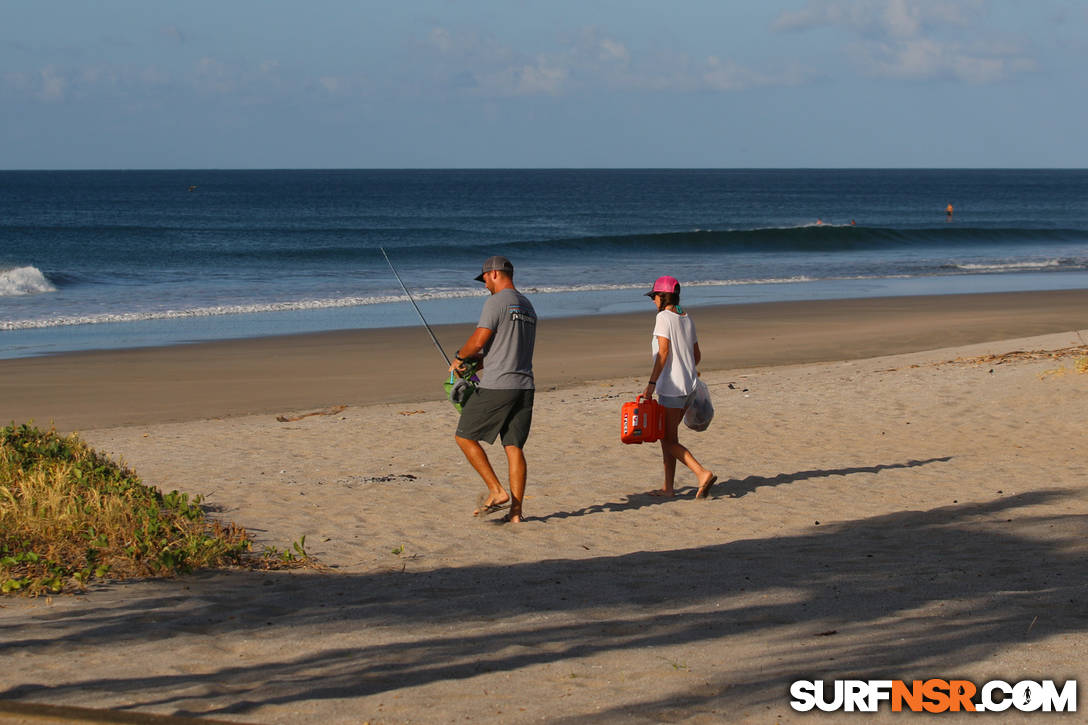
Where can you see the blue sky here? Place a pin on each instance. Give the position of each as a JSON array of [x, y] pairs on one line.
[[562, 83]]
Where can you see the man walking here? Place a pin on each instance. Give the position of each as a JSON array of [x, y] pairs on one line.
[[503, 344]]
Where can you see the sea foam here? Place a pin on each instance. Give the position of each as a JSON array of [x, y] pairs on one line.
[[1010, 266], [336, 302], [23, 281]]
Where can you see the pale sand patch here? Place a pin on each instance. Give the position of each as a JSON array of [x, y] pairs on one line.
[[872, 520]]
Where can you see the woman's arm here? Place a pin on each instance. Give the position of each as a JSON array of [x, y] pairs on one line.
[[698, 355], [659, 365]]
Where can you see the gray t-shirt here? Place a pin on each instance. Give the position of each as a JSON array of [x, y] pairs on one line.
[[508, 357]]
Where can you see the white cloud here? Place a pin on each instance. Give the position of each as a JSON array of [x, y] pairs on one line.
[[207, 76], [342, 87], [52, 85], [174, 33], [541, 78], [890, 18], [481, 66], [719, 75], [440, 38], [213, 76], [588, 61], [612, 50], [921, 58], [204, 77], [915, 39]]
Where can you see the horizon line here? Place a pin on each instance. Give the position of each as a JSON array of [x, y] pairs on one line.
[[550, 168]]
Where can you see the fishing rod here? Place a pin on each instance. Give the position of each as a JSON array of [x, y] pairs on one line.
[[429, 330]]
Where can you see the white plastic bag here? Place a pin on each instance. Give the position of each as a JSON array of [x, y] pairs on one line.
[[701, 411]]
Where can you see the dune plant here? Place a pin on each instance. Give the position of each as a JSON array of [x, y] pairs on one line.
[[69, 515]]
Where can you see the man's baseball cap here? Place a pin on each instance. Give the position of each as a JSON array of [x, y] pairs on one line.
[[664, 284], [497, 262]]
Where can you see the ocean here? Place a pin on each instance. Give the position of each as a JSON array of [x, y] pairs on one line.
[[110, 259]]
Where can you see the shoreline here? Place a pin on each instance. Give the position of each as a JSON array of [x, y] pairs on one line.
[[205, 380]]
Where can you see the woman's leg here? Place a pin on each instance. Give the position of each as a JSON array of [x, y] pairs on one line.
[[669, 461], [672, 450]]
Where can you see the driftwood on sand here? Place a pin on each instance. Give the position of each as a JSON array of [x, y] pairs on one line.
[[327, 411]]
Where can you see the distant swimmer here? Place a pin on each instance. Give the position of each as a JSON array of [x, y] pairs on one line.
[[948, 213], [192, 188], [853, 223], [819, 222]]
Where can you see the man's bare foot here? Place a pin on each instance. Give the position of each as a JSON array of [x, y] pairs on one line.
[[662, 493], [513, 518], [705, 484], [490, 505]]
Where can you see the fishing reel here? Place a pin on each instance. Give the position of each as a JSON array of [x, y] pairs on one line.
[[470, 366], [458, 390]]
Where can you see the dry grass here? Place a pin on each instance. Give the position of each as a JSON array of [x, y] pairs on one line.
[[69, 515], [1018, 355], [1080, 364]]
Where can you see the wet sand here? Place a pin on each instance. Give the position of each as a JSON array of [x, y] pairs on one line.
[[80, 391]]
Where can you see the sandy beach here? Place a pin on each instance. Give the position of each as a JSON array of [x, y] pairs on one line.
[[900, 497]]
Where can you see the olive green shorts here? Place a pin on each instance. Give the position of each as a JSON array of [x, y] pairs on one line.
[[491, 412]]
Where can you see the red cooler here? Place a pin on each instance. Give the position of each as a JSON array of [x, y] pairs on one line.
[[642, 421]]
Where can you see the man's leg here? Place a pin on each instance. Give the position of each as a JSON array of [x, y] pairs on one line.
[[515, 460], [477, 457]]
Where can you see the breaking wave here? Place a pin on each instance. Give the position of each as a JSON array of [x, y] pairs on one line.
[[23, 281]]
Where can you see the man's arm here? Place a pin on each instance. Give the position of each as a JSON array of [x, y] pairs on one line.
[[471, 349]]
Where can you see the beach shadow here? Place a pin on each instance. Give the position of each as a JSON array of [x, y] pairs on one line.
[[631, 502], [745, 486], [734, 488], [866, 597]]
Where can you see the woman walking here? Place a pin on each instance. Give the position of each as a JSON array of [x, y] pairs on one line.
[[675, 353]]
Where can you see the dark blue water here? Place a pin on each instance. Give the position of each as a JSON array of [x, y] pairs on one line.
[[108, 259]]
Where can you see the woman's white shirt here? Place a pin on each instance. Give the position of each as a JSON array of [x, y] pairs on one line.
[[678, 376]]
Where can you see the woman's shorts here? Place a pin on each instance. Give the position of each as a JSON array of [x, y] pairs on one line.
[[491, 412], [676, 401]]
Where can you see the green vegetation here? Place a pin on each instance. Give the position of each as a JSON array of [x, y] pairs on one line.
[[287, 556], [69, 515]]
